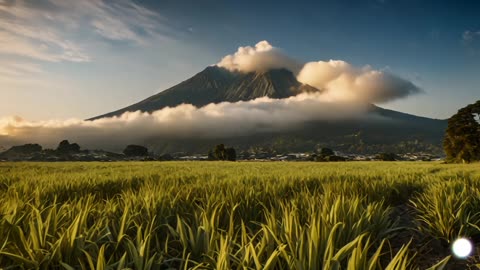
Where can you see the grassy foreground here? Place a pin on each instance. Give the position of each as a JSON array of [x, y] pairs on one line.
[[227, 215]]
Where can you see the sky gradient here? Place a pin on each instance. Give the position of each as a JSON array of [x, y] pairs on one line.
[[77, 59]]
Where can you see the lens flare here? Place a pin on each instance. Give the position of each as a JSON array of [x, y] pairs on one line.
[[462, 248]]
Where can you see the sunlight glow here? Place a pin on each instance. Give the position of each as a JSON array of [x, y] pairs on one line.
[[462, 248]]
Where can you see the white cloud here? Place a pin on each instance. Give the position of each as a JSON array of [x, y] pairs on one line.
[[261, 57], [214, 120], [340, 81]]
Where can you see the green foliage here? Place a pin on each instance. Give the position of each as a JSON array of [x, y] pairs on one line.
[[22, 150], [65, 147], [222, 153], [230, 154], [135, 151], [217, 215], [462, 138], [326, 152], [448, 210], [387, 157]]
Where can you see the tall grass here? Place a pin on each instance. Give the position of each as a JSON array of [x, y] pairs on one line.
[[216, 215]]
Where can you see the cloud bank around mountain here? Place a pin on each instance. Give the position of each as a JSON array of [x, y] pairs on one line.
[[346, 93], [220, 120]]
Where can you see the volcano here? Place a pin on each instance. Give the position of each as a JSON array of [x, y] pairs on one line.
[[402, 132]]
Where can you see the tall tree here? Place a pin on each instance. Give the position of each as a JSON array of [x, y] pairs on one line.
[[222, 153], [462, 138], [135, 151], [65, 147], [230, 154]]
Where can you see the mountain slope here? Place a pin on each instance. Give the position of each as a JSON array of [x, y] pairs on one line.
[[275, 83], [215, 84], [205, 87]]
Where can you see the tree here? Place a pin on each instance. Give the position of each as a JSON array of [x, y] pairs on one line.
[[21, 152], [135, 151], [65, 147], [462, 137], [387, 157], [219, 152], [29, 148], [230, 154], [211, 155], [222, 153], [325, 152]]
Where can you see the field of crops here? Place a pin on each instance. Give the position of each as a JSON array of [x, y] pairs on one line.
[[237, 215]]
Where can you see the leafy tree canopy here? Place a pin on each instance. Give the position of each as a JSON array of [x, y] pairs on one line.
[[26, 148], [462, 138], [135, 151], [387, 157], [326, 152], [220, 152], [66, 147]]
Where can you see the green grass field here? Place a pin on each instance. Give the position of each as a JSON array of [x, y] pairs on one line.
[[237, 215]]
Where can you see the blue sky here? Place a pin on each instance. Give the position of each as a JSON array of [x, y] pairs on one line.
[[62, 59]]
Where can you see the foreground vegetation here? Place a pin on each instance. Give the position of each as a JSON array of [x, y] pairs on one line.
[[243, 215]]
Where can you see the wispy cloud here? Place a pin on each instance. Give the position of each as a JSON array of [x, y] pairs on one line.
[[470, 35], [471, 40], [14, 74], [53, 50], [56, 30], [115, 20], [19, 69]]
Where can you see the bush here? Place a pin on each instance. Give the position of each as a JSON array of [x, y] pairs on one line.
[[135, 151], [387, 157], [65, 147], [326, 152], [222, 153], [26, 148]]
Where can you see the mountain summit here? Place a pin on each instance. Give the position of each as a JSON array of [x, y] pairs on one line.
[[215, 84]]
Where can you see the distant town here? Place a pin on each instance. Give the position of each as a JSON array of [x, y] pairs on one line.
[[67, 151]]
